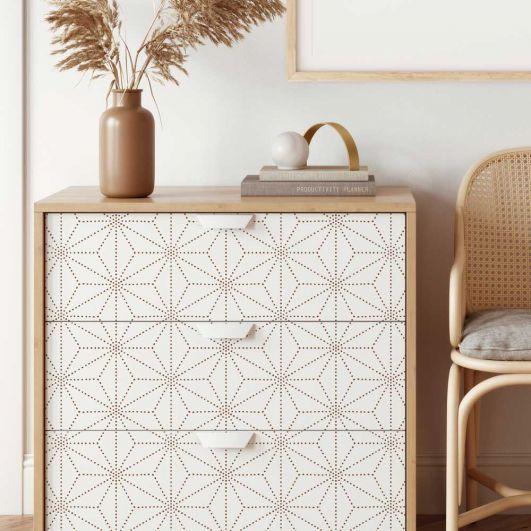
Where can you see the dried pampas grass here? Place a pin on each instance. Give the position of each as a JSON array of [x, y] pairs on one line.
[[87, 34]]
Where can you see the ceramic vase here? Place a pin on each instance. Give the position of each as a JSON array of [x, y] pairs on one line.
[[127, 147]]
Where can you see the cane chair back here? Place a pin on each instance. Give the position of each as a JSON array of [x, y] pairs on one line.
[[495, 205]]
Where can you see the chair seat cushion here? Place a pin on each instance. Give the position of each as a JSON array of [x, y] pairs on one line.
[[501, 335]]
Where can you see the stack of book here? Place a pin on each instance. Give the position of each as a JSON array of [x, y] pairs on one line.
[[310, 181]]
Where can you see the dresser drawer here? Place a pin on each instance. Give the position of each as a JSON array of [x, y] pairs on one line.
[[262, 267], [201, 376], [169, 480]]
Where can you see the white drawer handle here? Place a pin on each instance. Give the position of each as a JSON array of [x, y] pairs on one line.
[[224, 440], [224, 221], [224, 330]]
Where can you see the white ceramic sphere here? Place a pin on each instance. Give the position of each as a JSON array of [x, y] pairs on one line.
[[290, 151]]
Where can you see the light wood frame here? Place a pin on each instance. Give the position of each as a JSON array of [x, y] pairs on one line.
[[38, 373], [294, 74], [411, 371], [478, 377], [222, 199]]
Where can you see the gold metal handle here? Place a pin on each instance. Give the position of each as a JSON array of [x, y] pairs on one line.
[[352, 150]]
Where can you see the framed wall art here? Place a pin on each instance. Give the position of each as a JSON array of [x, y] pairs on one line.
[[409, 39]]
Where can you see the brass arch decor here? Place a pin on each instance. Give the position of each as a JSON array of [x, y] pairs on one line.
[[350, 145], [297, 72]]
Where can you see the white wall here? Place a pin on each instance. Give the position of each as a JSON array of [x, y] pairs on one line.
[[218, 125], [11, 262]]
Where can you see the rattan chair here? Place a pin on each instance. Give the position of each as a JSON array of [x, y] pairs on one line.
[[492, 271]]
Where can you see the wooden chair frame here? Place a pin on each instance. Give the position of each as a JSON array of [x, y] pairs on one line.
[[463, 413]]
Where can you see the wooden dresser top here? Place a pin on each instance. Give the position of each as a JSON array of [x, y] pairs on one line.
[[222, 199]]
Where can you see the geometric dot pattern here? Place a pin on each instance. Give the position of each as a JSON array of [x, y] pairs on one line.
[[282, 376], [283, 480], [282, 267], [131, 377]]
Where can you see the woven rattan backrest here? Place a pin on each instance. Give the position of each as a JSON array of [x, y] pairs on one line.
[[496, 209]]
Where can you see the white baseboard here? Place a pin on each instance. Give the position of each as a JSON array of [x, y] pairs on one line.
[[431, 469], [27, 485], [489, 460], [513, 469]]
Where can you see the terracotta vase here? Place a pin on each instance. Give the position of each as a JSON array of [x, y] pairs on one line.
[[127, 147]]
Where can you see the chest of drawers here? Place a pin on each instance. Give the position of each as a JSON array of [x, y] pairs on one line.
[[206, 362]]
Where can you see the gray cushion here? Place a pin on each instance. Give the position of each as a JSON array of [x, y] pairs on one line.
[[502, 335]]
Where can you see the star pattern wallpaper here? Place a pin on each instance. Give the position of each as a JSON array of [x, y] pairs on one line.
[[136, 366], [283, 480], [282, 376], [166, 267]]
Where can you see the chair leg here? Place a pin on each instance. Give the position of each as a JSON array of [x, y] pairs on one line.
[[477, 379], [471, 445], [452, 476]]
